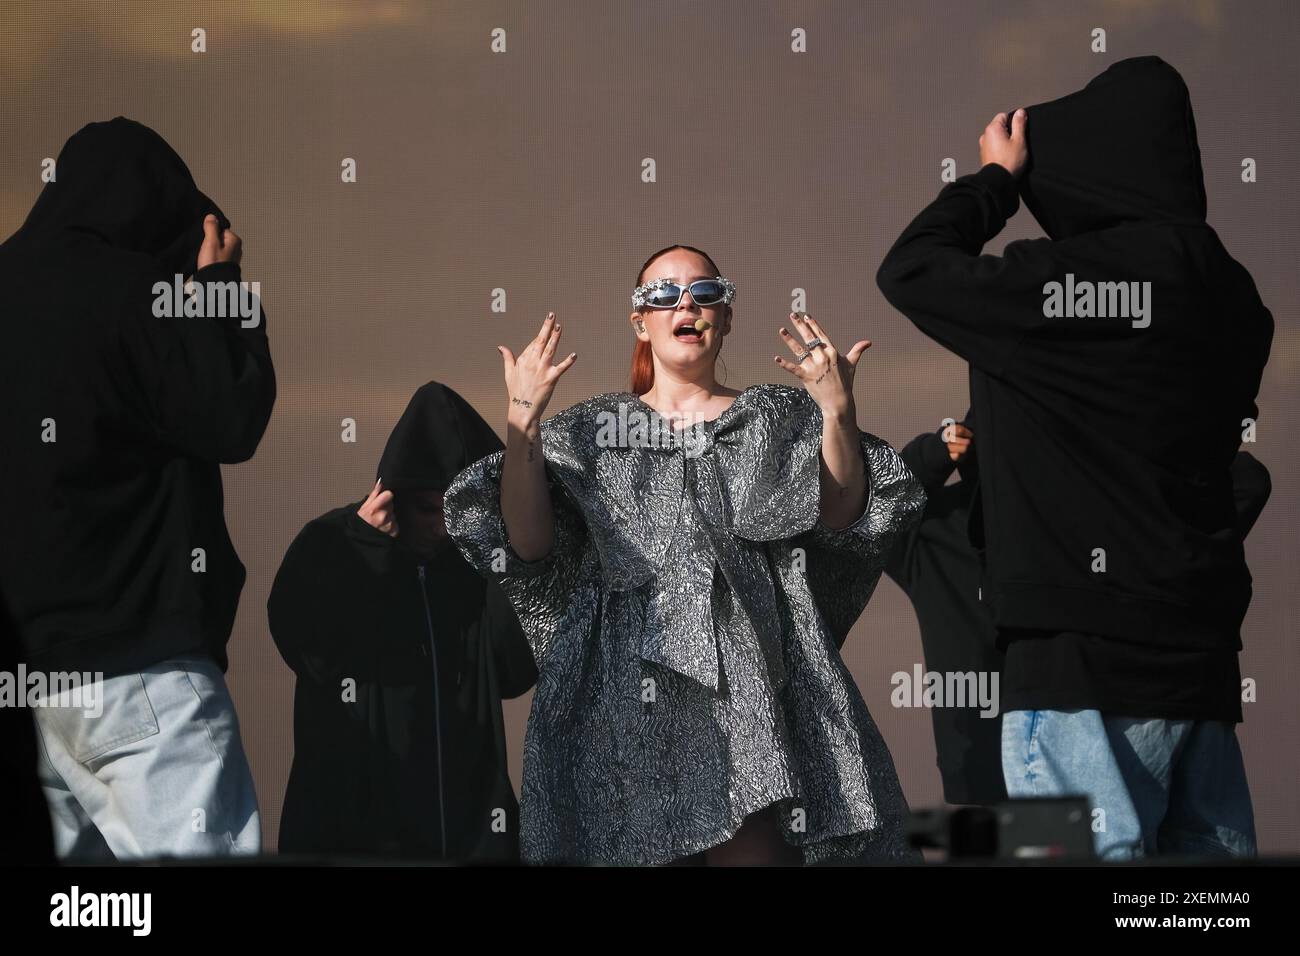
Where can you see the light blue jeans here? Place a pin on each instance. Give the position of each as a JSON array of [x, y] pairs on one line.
[[159, 772], [1175, 787]]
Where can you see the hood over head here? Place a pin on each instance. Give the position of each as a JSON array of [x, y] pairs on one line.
[[121, 182], [438, 436], [1122, 149]]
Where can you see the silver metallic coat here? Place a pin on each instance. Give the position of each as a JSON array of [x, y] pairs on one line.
[[686, 626]]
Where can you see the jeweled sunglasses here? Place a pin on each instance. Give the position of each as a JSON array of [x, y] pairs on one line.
[[667, 293]]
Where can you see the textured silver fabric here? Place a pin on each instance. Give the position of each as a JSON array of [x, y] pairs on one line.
[[686, 626]]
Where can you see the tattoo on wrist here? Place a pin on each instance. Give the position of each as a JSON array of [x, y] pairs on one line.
[[520, 401], [531, 448]]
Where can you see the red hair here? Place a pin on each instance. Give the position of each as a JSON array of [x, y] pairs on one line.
[[643, 366]]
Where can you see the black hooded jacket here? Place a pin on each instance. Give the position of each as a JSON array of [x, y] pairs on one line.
[[1100, 440], [117, 420], [27, 835], [939, 571], [399, 741]]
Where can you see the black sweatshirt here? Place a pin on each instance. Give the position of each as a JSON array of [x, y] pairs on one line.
[[939, 571], [1100, 440], [97, 555], [413, 761], [27, 838]]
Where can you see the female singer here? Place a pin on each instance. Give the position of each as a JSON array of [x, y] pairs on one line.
[[686, 561]]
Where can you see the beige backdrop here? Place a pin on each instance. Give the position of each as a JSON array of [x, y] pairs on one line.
[[521, 170]]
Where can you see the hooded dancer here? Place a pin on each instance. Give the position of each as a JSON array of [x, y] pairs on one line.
[[939, 570], [403, 654], [1113, 365], [686, 591], [117, 561]]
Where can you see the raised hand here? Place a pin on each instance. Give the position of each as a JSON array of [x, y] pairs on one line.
[[825, 373], [1009, 149], [958, 438], [218, 245], [377, 510], [531, 378]]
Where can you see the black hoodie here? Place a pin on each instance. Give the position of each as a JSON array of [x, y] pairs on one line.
[[97, 555], [413, 762], [939, 571], [1101, 440], [27, 835]]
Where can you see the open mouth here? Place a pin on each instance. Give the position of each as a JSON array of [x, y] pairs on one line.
[[688, 333]]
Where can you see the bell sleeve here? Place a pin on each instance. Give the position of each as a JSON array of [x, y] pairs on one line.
[[512, 657], [844, 564], [769, 464], [542, 591]]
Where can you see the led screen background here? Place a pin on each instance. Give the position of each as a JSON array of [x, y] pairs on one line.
[[522, 171]]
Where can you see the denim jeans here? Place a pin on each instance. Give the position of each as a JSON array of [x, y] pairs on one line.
[[1175, 787], [160, 771]]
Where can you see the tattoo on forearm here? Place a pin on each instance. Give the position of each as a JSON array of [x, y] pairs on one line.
[[521, 401], [531, 448]]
